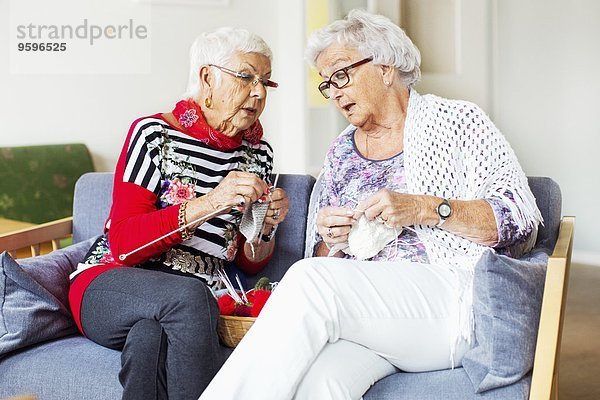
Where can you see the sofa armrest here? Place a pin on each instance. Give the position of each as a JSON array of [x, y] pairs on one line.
[[544, 382], [33, 237]]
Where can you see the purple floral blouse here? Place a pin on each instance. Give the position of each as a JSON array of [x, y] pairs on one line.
[[348, 178]]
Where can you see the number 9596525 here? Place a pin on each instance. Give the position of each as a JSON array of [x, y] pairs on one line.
[[34, 46]]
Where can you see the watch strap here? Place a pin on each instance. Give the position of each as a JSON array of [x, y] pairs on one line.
[[270, 236], [445, 204]]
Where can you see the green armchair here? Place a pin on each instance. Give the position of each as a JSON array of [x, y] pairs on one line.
[[37, 182]]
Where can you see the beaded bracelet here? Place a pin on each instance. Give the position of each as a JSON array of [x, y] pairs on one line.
[[186, 233]]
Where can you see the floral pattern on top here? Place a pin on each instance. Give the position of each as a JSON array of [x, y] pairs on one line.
[[231, 239], [251, 163], [99, 253], [178, 190], [349, 178], [177, 184], [509, 233]]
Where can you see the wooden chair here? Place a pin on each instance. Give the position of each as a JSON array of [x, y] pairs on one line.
[[36, 237], [24, 397], [544, 381]]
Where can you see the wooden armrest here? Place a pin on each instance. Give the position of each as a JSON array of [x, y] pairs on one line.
[[544, 381], [32, 237]]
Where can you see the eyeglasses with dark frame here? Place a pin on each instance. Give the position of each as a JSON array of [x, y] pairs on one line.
[[247, 78], [340, 78]]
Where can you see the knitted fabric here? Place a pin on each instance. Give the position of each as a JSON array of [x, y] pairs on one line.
[[453, 150], [367, 238]]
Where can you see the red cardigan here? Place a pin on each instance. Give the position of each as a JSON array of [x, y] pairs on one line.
[[134, 221]]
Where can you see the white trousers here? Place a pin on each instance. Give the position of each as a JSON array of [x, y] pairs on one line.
[[334, 327]]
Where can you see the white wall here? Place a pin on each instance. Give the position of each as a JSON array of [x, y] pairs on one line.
[[98, 109], [547, 95], [533, 66]]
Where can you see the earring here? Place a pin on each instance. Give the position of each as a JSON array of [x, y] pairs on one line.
[[208, 102], [387, 83]]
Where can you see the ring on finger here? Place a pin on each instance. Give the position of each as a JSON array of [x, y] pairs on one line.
[[276, 213], [380, 219], [330, 234]]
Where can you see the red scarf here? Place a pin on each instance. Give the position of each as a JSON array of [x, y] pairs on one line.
[[190, 117]]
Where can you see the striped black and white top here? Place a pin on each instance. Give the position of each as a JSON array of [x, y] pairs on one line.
[[163, 160]]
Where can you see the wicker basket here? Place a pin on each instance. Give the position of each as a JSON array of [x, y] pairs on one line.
[[232, 329]]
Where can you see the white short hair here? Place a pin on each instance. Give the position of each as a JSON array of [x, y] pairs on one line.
[[217, 48], [373, 36]]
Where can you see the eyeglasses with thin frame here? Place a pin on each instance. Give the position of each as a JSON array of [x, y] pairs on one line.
[[340, 78], [247, 78]]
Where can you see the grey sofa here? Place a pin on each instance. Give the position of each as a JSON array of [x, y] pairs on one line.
[[73, 367]]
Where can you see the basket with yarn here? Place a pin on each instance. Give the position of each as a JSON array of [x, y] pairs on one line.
[[231, 329], [239, 310]]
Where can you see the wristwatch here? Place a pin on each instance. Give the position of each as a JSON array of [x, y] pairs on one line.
[[444, 210], [268, 237]]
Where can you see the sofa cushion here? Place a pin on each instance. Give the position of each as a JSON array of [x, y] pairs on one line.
[[72, 367], [507, 300], [34, 297], [448, 384]]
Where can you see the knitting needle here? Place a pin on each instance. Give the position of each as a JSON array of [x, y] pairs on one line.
[[265, 220], [237, 279], [122, 257], [229, 286]]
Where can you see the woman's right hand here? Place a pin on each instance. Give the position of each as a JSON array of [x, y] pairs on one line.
[[334, 224], [236, 189]]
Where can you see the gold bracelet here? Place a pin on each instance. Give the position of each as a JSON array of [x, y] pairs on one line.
[[186, 233]]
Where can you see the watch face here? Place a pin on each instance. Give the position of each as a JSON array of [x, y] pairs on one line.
[[444, 210]]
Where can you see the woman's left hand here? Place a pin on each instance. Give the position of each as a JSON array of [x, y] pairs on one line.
[[278, 207], [392, 208]]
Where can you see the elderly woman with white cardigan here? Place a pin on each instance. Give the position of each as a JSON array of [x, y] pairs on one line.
[[410, 196]]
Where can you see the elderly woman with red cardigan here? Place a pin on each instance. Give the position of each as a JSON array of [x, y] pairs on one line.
[[182, 183]]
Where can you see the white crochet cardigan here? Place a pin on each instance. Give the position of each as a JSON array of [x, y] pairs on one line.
[[453, 150]]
